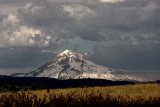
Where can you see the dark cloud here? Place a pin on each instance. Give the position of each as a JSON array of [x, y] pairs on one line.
[[23, 57], [91, 21], [2, 16], [95, 21], [128, 56], [134, 25]]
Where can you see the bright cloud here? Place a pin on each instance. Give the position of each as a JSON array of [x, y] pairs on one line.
[[13, 33], [78, 11]]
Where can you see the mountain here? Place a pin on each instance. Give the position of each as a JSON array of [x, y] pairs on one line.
[[70, 65]]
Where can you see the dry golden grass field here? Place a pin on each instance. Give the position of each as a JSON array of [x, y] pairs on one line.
[[143, 95]]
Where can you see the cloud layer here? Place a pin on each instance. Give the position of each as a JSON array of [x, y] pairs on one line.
[[42, 22], [133, 25]]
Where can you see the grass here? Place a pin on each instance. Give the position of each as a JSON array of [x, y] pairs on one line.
[[131, 90], [114, 96]]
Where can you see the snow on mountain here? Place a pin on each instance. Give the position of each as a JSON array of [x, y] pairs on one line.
[[70, 65]]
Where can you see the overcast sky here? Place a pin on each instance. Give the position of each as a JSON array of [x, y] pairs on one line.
[[121, 34]]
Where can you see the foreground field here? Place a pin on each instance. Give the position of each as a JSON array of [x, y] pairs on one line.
[[131, 90], [115, 96]]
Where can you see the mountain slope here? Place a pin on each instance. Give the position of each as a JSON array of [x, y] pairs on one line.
[[70, 65]]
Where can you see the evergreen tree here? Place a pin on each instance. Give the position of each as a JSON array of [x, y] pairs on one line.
[[34, 86], [48, 89], [43, 86], [12, 87], [5, 85]]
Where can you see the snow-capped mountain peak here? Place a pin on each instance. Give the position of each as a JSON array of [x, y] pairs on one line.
[[68, 57], [66, 52], [70, 65]]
